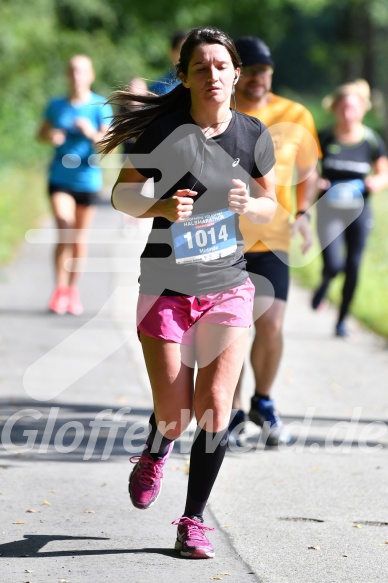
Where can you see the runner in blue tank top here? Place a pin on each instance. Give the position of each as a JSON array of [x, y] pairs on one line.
[[73, 124]]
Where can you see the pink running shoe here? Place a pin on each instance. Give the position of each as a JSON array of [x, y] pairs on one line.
[[191, 540], [145, 480], [75, 307], [59, 301]]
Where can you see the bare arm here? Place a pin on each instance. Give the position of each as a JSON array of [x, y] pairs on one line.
[[306, 188], [379, 179], [305, 194], [127, 198], [260, 207], [89, 131], [56, 137], [50, 135]]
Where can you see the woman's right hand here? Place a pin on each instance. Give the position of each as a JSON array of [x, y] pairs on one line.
[[56, 137], [179, 207]]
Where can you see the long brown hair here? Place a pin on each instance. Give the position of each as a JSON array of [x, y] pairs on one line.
[[131, 121]]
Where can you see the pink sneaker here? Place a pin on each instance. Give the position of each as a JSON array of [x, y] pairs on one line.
[[59, 301], [145, 480], [191, 540], [75, 307]]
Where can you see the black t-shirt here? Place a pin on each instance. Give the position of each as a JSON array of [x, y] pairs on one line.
[[204, 253], [344, 162]]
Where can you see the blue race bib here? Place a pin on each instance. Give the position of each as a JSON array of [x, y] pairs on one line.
[[205, 237]]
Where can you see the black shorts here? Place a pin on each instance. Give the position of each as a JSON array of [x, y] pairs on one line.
[[273, 267], [83, 198]]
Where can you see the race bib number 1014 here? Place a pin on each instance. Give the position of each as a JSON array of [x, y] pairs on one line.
[[205, 237]]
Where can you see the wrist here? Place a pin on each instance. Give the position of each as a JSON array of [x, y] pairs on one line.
[[159, 209], [301, 213]]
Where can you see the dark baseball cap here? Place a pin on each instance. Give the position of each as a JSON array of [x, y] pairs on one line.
[[253, 51]]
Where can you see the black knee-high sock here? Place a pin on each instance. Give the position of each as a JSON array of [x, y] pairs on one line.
[[157, 444], [207, 454]]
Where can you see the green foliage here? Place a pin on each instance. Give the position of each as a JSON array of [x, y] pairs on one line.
[[310, 39], [23, 202]]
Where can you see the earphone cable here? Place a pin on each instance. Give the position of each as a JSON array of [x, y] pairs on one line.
[[203, 147]]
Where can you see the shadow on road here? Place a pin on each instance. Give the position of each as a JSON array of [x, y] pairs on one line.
[[30, 546]]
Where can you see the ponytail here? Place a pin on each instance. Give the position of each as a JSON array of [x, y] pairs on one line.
[[131, 120]]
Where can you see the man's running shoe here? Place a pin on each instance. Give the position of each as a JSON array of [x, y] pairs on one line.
[[75, 307], [59, 301], [191, 540], [236, 428], [145, 480], [264, 414]]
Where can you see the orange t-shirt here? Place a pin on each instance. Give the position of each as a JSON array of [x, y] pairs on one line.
[[296, 148]]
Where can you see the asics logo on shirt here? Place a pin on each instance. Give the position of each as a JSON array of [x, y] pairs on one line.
[[236, 162]]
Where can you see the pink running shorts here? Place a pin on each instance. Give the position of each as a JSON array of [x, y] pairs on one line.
[[172, 317]]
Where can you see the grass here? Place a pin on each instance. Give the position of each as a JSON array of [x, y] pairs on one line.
[[370, 304], [23, 203]]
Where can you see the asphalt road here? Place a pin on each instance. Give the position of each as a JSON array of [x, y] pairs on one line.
[[75, 405]]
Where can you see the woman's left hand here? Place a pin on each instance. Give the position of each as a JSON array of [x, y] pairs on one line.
[[86, 128], [379, 179], [238, 197], [375, 183]]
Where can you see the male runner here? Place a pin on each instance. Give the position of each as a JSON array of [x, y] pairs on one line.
[[266, 246]]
